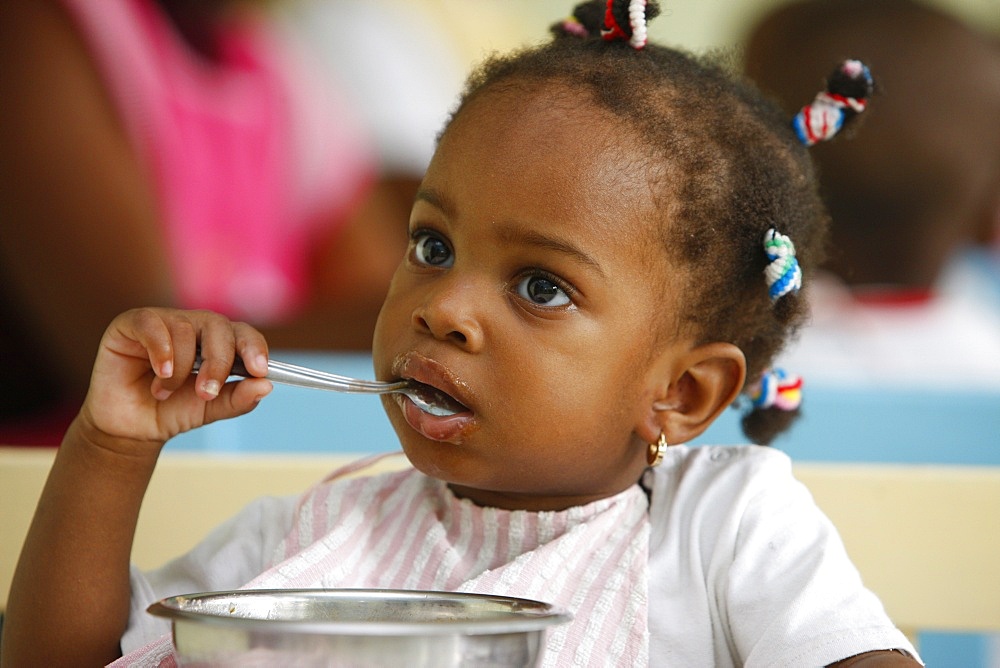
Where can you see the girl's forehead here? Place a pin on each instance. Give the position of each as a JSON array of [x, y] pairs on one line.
[[549, 101], [552, 133], [549, 157]]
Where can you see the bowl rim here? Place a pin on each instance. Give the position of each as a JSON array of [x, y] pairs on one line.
[[530, 615]]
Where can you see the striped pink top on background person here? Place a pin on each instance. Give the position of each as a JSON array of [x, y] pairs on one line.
[[251, 152]]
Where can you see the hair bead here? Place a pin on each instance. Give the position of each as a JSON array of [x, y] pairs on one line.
[[846, 96], [783, 273], [777, 389], [637, 19], [637, 35]]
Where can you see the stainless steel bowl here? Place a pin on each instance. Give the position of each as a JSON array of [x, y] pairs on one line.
[[356, 627]]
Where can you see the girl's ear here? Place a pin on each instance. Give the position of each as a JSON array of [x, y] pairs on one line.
[[691, 391]]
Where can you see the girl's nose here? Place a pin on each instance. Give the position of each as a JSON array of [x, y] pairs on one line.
[[452, 313]]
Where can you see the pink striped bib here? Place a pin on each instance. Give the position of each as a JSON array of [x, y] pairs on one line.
[[405, 530]]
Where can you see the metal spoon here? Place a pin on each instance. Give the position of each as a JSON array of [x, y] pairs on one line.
[[427, 398]]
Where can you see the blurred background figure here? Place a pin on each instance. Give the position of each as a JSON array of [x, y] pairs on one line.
[[195, 153], [913, 290]]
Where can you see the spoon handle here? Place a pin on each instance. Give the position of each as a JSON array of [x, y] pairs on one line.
[[300, 376]]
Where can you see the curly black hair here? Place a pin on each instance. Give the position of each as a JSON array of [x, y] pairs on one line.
[[736, 170]]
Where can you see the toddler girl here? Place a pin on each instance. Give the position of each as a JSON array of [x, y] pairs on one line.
[[600, 257]]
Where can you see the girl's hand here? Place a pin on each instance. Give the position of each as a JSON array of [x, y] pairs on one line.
[[142, 388]]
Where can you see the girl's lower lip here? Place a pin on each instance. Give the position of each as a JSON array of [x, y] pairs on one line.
[[448, 428]]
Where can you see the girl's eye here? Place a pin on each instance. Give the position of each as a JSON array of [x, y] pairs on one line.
[[542, 291], [432, 250]]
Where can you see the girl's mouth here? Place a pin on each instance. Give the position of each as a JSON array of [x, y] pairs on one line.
[[434, 401], [448, 428], [443, 408]]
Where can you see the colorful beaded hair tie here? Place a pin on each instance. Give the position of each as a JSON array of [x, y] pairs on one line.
[[846, 96], [782, 273], [777, 389], [637, 24]]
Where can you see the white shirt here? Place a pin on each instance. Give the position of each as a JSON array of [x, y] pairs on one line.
[[743, 569], [746, 570]]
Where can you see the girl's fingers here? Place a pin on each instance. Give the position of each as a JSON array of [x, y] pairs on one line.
[[151, 331], [142, 386], [183, 337], [236, 399], [172, 340], [252, 348], [216, 344]]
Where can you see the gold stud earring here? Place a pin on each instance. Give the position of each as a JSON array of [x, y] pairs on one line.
[[654, 455]]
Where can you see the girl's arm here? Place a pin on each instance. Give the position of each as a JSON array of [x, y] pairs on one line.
[[69, 599]]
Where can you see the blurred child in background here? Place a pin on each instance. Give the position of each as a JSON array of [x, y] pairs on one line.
[[912, 290]]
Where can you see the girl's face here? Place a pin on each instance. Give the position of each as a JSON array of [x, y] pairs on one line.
[[532, 292]]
